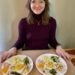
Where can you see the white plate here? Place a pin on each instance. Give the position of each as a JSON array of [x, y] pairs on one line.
[[17, 60], [42, 59]]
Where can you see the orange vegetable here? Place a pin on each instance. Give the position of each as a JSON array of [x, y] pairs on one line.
[[5, 68]]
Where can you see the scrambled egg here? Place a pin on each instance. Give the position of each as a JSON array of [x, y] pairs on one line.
[[40, 65], [18, 66], [49, 64]]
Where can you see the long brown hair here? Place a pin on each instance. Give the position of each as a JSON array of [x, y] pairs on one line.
[[45, 14]]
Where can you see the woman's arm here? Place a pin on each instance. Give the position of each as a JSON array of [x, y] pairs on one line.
[[53, 42], [52, 38], [22, 35]]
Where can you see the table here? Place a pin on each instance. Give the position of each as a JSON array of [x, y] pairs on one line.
[[35, 53]]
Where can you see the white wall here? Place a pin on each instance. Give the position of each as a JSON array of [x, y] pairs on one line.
[[6, 19], [11, 11], [65, 15]]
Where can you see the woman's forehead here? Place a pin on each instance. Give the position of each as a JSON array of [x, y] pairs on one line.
[[37, 0]]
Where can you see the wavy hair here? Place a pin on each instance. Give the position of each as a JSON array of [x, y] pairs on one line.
[[45, 13]]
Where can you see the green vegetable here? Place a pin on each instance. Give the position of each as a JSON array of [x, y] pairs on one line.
[[55, 58], [15, 73], [26, 60], [53, 71]]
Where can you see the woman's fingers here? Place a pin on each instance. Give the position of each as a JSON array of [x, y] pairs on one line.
[[9, 55], [68, 56], [63, 54], [4, 56]]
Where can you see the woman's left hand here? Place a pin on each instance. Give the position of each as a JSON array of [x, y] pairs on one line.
[[61, 52]]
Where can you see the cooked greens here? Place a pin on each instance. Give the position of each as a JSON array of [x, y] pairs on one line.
[[55, 58], [26, 60], [15, 73], [53, 71]]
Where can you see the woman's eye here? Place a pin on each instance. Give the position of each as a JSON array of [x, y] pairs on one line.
[[41, 1], [33, 1]]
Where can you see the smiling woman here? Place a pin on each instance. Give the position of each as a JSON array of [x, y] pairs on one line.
[[65, 22], [37, 30]]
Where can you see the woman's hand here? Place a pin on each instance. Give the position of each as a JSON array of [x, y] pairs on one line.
[[7, 54], [61, 52]]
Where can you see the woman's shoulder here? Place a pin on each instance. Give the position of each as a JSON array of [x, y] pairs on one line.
[[52, 19], [23, 20], [52, 22]]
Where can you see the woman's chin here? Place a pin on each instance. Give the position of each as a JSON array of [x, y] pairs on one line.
[[37, 13]]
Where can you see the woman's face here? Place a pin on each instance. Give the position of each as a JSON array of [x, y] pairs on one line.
[[37, 6]]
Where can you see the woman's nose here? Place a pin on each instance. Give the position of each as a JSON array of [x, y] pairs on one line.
[[37, 5]]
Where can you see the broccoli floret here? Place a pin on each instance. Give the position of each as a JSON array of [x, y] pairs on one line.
[[55, 58], [53, 71], [15, 73], [26, 60]]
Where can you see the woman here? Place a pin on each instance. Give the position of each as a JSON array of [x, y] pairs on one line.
[[37, 30]]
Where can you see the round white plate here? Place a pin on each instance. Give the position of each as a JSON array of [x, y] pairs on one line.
[[61, 60], [12, 61]]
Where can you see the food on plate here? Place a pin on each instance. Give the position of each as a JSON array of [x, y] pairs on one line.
[[55, 58], [51, 64], [26, 61], [15, 73], [5, 68], [40, 65], [60, 67], [17, 65], [53, 71]]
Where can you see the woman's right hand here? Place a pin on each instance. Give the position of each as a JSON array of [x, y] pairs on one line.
[[8, 54]]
